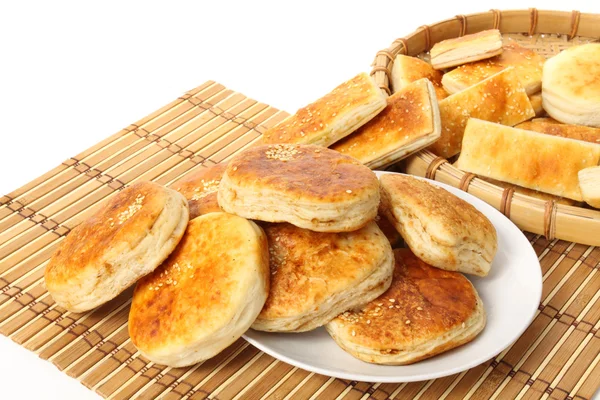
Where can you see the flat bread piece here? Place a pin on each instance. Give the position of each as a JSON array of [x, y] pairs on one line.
[[127, 238], [571, 88], [465, 49], [316, 276], [589, 183], [306, 185], [333, 117], [577, 132], [200, 189], [409, 123], [205, 295], [527, 66], [440, 228], [425, 312], [505, 153], [499, 98], [407, 70]]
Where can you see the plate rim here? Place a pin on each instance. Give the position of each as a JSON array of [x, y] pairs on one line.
[[428, 376]]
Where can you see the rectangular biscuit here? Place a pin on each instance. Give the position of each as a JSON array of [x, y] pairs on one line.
[[464, 49]]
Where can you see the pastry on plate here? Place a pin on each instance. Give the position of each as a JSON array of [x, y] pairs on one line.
[[309, 186], [527, 67], [407, 70], [425, 312], [570, 85], [499, 98], [200, 189], [474, 47], [440, 228], [530, 159], [333, 116], [315, 276], [205, 295], [127, 238], [410, 122]]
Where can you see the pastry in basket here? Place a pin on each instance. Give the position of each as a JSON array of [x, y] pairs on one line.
[[468, 48], [530, 159], [425, 312], [410, 122], [570, 85], [315, 276], [527, 67], [332, 117], [577, 132], [589, 183], [407, 70], [205, 295], [308, 186], [127, 238], [200, 188], [499, 98], [440, 228], [536, 104]]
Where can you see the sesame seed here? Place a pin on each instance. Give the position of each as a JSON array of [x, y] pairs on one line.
[[420, 308], [235, 168], [391, 307], [463, 324], [368, 321], [392, 300], [353, 333], [407, 322], [348, 191]]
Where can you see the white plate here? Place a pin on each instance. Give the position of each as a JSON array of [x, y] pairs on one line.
[[511, 294]]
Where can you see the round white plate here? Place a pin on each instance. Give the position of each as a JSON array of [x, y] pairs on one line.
[[511, 294]]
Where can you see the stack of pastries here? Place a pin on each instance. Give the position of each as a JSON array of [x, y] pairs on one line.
[[283, 238]]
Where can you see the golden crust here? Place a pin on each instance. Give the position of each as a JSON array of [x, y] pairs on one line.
[[537, 104], [504, 153], [200, 189], [409, 123], [464, 49], [333, 116], [309, 269], [388, 229], [577, 132], [220, 266], [499, 98], [409, 69], [93, 252], [422, 305], [527, 67]]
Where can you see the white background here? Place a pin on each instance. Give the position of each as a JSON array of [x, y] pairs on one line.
[[73, 73]]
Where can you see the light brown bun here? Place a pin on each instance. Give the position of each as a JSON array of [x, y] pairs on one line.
[[200, 189]]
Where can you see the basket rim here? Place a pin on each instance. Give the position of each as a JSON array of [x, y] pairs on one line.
[[550, 209]]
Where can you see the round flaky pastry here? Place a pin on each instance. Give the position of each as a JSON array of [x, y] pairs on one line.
[[127, 238], [205, 295], [200, 189], [426, 311]]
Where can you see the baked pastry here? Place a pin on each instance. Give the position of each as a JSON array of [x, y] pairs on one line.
[[570, 85], [577, 132], [589, 183], [389, 230], [425, 312], [127, 238], [205, 295], [536, 104], [315, 276], [527, 67], [332, 117], [409, 123], [200, 189], [308, 186], [407, 70], [499, 98], [505, 153], [440, 228], [474, 47]]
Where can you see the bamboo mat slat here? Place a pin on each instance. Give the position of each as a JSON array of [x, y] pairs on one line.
[[558, 356]]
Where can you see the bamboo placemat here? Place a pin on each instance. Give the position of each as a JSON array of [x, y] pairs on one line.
[[557, 357]]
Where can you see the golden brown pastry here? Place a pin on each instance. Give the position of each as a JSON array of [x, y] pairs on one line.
[[200, 189], [505, 153], [577, 132], [410, 122], [333, 116], [407, 70], [589, 183], [425, 312], [465, 49]]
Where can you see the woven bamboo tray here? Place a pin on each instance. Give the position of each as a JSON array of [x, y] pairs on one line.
[[559, 354], [546, 32]]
